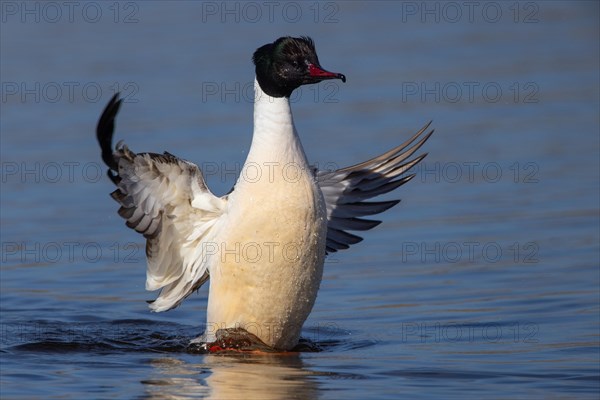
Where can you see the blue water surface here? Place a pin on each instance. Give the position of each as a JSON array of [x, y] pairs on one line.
[[483, 282]]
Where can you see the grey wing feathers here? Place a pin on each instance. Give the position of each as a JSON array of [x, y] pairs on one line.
[[165, 199], [345, 190]]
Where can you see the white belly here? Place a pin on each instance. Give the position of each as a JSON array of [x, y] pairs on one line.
[[269, 261]]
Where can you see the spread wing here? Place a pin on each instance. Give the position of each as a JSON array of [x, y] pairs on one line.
[[165, 199], [345, 190]]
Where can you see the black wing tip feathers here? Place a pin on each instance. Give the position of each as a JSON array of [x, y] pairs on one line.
[[105, 130]]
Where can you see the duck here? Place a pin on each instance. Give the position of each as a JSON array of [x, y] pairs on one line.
[[262, 246]]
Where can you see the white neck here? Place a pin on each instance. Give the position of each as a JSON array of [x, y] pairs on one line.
[[275, 138]]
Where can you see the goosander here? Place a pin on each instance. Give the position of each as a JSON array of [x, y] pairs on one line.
[[263, 245]]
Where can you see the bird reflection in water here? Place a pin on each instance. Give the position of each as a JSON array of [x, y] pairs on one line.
[[246, 375]]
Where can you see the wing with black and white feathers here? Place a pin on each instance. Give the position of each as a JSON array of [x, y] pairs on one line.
[[165, 199], [345, 190]]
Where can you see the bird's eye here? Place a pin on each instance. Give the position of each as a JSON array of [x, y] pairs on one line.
[[295, 63]]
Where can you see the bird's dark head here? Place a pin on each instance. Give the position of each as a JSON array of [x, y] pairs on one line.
[[288, 63]]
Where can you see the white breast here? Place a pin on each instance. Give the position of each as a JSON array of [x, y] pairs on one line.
[[270, 250]]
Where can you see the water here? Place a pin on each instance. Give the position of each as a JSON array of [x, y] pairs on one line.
[[484, 281]]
